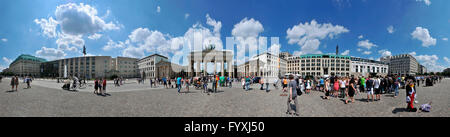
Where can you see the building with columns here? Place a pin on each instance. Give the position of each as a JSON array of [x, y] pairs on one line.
[[222, 62], [147, 65], [366, 67], [263, 65], [319, 65]]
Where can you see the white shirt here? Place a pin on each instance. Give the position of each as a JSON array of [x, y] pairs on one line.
[[376, 83], [342, 83]]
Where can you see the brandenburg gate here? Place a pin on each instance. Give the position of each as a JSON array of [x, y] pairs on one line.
[[196, 58]]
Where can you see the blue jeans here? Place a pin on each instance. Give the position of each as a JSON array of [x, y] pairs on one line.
[[396, 90], [267, 87], [179, 87], [247, 84]]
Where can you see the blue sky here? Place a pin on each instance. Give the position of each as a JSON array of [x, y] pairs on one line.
[[57, 29]]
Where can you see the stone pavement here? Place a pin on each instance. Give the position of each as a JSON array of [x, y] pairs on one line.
[[44, 99]]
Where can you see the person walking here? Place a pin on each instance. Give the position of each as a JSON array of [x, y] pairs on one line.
[[351, 91], [187, 82], [322, 83], [266, 80], [247, 84], [13, 83], [243, 83], [292, 96]]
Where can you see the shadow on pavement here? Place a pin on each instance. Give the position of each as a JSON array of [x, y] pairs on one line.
[[9, 91], [396, 110]]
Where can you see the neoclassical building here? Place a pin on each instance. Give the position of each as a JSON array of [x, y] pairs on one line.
[[26, 65], [263, 65], [366, 67], [319, 65], [222, 60]]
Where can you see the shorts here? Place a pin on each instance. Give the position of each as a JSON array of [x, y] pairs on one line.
[[377, 91], [370, 91], [351, 93], [284, 85]]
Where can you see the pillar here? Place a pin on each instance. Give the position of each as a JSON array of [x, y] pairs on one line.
[[215, 66], [205, 68], [198, 68], [223, 68]]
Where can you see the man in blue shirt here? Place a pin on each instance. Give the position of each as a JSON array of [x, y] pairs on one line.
[[179, 84]]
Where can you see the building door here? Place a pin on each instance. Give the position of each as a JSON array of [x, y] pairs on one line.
[[325, 71]]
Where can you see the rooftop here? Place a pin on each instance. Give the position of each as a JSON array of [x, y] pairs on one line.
[[28, 57]]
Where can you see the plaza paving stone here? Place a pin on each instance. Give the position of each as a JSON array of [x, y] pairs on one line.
[[46, 98]]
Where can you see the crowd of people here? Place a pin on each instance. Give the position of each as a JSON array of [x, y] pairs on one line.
[[347, 87]]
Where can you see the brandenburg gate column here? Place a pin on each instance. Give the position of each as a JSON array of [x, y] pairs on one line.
[[205, 73], [223, 68], [215, 66], [198, 68], [230, 68]]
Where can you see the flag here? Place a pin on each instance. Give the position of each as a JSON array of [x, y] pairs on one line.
[[84, 49]]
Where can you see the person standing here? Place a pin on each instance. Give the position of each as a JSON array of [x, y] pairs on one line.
[[335, 87], [104, 87], [13, 83], [187, 83], [362, 87], [292, 96], [342, 87], [267, 84], [247, 84], [243, 83], [308, 86], [396, 86], [322, 83], [369, 88], [351, 91], [178, 84], [376, 86], [327, 88], [96, 86], [410, 96], [28, 80]]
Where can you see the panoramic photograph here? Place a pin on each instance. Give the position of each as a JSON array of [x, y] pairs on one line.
[[224, 58]]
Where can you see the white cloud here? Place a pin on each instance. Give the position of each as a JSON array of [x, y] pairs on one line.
[[158, 9], [95, 36], [216, 24], [367, 52], [358, 49], [345, 53], [112, 45], [81, 19], [247, 28], [7, 60], [390, 29], [48, 26], [412, 53], [445, 39], [186, 15], [65, 41], [427, 2], [143, 40], [430, 62], [50, 53], [360, 36], [385, 52], [307, 35], [4, 40], [366, 44], [423, 35], [447, 60]]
